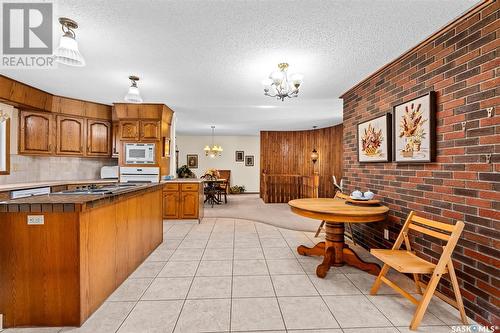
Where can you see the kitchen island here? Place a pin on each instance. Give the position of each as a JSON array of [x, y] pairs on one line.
[[62, 255]]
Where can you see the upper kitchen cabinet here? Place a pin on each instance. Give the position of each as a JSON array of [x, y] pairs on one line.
[[129, 130], [70, 135], [150, 130], [98, 138], [36, 133], [21, 95]]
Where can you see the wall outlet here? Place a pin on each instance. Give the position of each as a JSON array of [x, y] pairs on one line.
[[386, 234], [36, 220]]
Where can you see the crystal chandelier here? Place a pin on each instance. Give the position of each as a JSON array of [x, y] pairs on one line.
[[281, 85], [213, 150], [133, 95], [67, 53]]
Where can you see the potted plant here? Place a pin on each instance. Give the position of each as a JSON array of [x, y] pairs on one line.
[[236, 189], [185, 172]]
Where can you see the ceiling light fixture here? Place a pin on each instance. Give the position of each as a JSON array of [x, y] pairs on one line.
[[214, 150], [133, 95], [281, 84], [67, 53]]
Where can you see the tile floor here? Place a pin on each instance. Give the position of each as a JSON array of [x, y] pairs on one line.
[[227, 275]]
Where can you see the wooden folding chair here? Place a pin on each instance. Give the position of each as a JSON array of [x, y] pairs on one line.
[[405, 261], [348, 230]]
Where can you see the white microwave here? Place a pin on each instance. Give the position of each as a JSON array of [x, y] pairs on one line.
[[140, 153]]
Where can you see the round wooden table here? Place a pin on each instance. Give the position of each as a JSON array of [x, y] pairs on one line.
[[336, 212]]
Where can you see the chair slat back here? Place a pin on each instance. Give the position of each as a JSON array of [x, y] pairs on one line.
[[432, 228], [429, 232], [433, 224]]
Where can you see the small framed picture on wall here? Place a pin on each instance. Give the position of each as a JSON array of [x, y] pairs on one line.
[[239, 156], [192, 161], [249, 160], [374, 140], [414, 130]]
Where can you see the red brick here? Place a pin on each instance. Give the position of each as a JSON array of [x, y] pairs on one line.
[[493, 139], [454, 151], [478, 202], [490, 195], [494, 214], [464, 175], [479, 185]]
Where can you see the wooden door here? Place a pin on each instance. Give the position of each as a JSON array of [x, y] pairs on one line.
[[129, 130], [116, 139], [98, 138], [170, 205], [36, 133], [189, 205], [150, 130], [70, 136]]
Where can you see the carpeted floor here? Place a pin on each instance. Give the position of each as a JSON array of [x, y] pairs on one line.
[[250, 207]]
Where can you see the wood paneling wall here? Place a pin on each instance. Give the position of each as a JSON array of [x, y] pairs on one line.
[[289, 152]]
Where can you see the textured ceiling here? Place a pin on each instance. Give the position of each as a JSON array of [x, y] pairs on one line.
[[206, 59]]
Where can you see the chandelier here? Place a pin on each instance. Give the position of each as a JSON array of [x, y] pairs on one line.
[[281, 85], [213, 150]]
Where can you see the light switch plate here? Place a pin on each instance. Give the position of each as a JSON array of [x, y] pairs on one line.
[[36, 220]]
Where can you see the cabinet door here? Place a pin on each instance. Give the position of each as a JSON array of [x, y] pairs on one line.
[[150, 130], [70, 136], [36, 133], [116, 139], [98, 138], [129, 130], [170, 205], [189, 205]]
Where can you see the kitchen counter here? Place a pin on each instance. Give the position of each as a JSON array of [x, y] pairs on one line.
[[23, 186], [184, 180], [63, 255]]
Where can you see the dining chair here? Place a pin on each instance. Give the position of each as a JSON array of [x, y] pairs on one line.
[[406, 261], [348, 230], [222, 189]]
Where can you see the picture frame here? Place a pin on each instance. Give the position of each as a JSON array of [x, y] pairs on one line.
[[249, 160], [375, 139], [239, 156], [414, 130], [192, 161]]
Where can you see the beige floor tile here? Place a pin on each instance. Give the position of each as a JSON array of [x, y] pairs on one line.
[[249, 314], [428, 329], [250, 267], [400, 311], [161, 253], [148, 269], [218, 254], [273, 242], [167, 289], [445, 312], [246, 243], [306, 313], [328, 330], [334, 284], [220, 244], [284, 266], [106, 319], [171, 244], [210, 315], [364, 282], [371, 330], [366, 314], [179, 269], [193, 243], [215, 268], [246, 253], [152, 317], [252, 286], [278, 253], [293, 285], [210, 287], [36, 330], [187, 254], [130, 290]]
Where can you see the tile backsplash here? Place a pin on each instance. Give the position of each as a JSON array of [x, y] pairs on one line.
[[34, 168]]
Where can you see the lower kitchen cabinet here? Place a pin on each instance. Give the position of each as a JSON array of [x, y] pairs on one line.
[[183, 200]]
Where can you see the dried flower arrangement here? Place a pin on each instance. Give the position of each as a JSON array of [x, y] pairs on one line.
[[411, 128], [211, 174], [371, 140]]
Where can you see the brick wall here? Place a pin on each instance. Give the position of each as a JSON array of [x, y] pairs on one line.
[[461, 64]]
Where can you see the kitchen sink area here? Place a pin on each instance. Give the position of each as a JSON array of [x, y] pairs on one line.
[[97, 189]]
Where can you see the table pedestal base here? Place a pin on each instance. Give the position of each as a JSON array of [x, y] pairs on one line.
[[336, 253]]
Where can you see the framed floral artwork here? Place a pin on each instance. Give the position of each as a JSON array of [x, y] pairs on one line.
[[414, 130], [192, 161], [374, 140]]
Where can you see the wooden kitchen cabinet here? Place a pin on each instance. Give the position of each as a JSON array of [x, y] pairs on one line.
[[70, 135], [183, 200], [150, 130], [36, 133], [129, 130], [98, 138]]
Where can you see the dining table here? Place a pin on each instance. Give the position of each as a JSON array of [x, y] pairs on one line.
[[335, 212], [211, 191]]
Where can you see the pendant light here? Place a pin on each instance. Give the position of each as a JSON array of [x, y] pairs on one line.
[[67, 53], [133, 95], [214, 150]]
